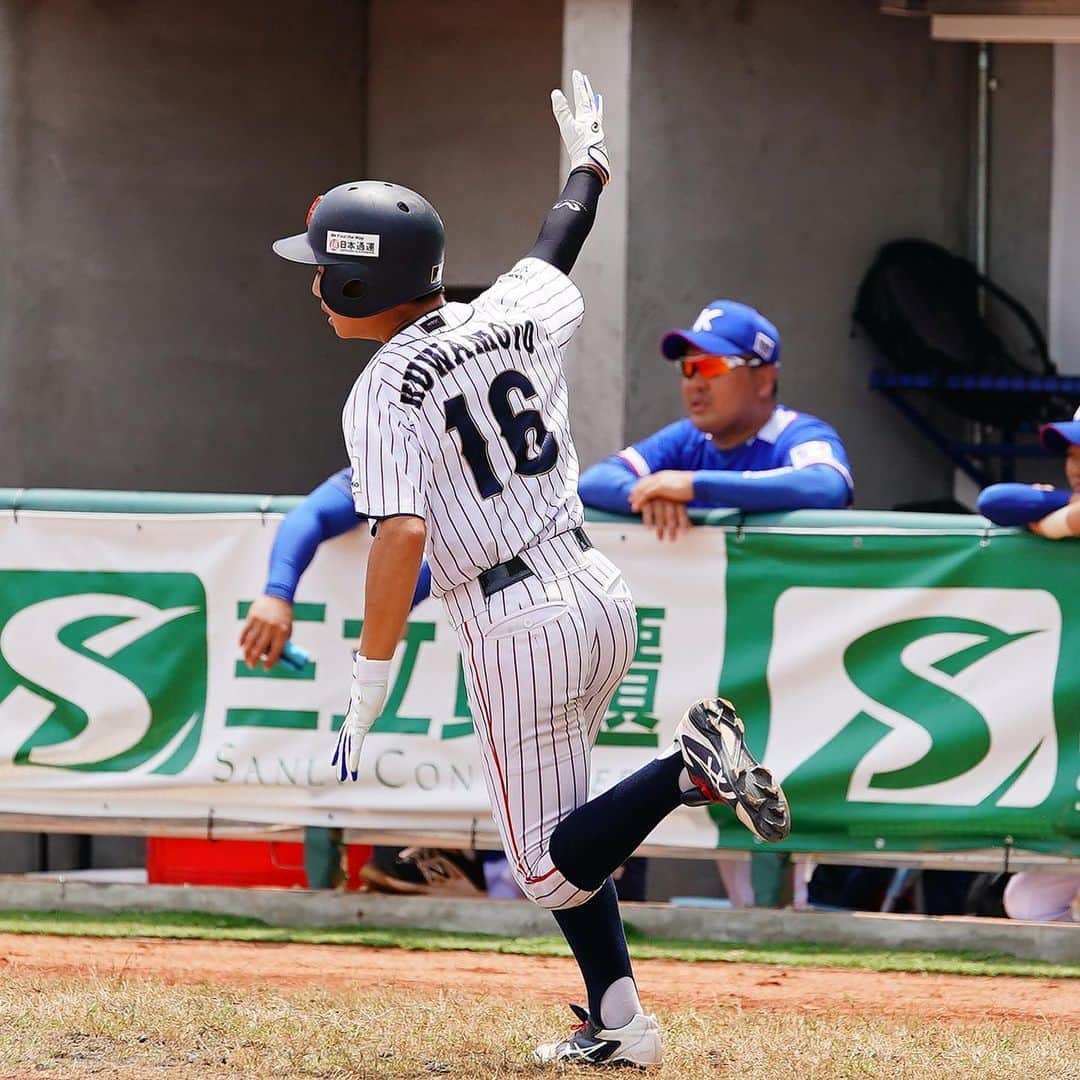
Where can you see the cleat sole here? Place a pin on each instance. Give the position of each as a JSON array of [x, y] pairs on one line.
[[752, 792]]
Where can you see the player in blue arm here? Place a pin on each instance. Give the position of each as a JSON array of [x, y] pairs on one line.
[[1045, 510], [736, 447], [327, 512]]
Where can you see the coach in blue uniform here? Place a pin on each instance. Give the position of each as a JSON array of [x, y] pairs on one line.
[[736, 447]]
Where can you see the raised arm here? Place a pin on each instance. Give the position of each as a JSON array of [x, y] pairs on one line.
[[568, 222]]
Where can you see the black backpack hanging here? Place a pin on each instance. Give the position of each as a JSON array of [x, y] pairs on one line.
[[920, 306]]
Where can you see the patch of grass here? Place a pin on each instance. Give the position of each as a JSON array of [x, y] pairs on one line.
[[125, 1029], [205, 927]]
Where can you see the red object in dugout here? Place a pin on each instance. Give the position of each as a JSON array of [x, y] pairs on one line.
[[250, 863]]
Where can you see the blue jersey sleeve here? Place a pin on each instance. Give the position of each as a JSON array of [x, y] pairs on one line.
[[607, 485], [814, 487], [327, 512], [806, 468], [1019, 504], [342, 480], [810, 441], [672, 447], [423, 584]]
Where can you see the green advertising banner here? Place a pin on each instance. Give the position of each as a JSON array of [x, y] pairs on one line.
[[911, 679], [913, 690]]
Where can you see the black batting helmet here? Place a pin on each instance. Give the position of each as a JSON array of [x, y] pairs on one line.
[[380, 245]]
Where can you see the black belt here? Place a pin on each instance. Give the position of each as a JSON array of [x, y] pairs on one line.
[[516, 569]]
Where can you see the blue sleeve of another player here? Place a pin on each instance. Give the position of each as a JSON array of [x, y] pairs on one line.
[[327, 512], [423, 584], [676, 446], [1019, 504], [808, 442], [815, 487], [607, 485]]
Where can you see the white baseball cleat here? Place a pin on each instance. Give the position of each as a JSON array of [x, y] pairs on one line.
[[713, 743], [636, 1043]]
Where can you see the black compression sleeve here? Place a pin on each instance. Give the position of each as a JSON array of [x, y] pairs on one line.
[[568, 222]]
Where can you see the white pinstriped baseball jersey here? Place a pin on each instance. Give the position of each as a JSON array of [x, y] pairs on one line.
[[462, 419]]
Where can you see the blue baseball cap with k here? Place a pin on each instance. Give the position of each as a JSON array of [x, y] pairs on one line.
[[1062, 435], [726, 328]]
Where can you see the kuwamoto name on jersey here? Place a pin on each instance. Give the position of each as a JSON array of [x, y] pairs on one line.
[[454, 349]]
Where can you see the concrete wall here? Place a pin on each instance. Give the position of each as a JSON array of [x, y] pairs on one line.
[[1021, 171], [459, 111], [148, 337], [1021, 165], [149, 340], [776, 144], [597, 38], [1065, 214]]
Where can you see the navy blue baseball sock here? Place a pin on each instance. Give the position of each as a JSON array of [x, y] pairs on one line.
[[594, 931], [594, 840]]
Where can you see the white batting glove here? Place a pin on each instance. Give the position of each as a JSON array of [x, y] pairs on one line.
[[366, 698], [583, 134]]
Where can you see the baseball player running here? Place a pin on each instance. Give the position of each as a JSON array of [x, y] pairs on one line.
[[460, 443]]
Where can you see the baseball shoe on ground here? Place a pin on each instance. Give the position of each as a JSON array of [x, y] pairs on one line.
[[427, 871], [713, 743], [638, 1043]]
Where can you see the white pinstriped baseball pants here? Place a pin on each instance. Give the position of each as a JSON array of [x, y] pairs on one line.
[[542, 659]]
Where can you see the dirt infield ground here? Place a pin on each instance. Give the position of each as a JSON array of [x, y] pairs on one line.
[[664, 984], [140, 1008]]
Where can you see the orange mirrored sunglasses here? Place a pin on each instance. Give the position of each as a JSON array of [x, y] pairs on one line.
[[711, 366]]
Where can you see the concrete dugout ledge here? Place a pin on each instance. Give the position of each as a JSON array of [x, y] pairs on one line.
[[1053, 942]]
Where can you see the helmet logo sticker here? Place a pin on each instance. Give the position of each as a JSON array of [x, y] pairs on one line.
[[436, 273], [350, 243]]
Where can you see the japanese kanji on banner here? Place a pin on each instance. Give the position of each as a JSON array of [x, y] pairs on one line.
[[909, 686]]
